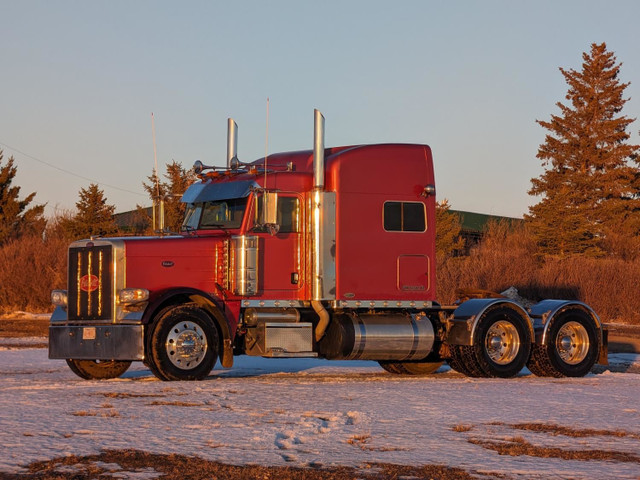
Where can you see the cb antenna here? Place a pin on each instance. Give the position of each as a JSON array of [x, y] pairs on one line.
[[155, 155], [157, 200], [266, 146]]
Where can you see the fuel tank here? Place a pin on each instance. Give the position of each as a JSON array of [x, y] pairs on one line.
[[391, 336]]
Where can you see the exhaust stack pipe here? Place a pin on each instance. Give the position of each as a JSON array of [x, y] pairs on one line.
[[318, 150], [232, 141], [318, 208]]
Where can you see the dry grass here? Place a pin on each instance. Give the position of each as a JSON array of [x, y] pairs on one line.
[[24, 327], [29, 269], [509, 258], [175, 404], [359, 441], [91, 413], [128, 395], [180, 467], [553, 429], [518, 446], [462, 428]]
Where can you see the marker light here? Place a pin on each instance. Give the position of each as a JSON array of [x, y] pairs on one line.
[[59, 298], [131, 296]]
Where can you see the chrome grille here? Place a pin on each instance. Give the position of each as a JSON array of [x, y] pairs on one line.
[[90, 286]]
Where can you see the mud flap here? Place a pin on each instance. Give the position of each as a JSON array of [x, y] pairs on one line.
[[603, 359]]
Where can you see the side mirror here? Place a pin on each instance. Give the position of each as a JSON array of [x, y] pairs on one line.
[[269, 208], [267, 212]]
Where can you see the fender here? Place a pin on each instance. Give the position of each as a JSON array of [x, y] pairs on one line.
[[543, 314], [465, 318], [213, 305]]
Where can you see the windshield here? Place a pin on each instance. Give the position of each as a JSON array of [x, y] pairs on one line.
[[221, 214]]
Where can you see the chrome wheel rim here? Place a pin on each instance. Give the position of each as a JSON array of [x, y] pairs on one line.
[[502, 342], [186, 345], [572, 343]]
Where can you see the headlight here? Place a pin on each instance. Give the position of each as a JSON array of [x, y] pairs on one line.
[[59, 298], [131, 296]]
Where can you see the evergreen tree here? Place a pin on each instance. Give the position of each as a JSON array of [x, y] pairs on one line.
[[93, 217], [448, 227], [16, 219], [590, 186], [177, 181]]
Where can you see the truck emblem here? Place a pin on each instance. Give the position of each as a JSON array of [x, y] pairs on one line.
[[167, 263], [89, 283]]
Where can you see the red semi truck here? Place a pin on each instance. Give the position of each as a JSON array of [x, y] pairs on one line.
[[324, 253]]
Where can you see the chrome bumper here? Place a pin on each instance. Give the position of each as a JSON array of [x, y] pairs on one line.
[[99, 342]]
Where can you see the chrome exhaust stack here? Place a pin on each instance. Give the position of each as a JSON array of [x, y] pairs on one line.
[[318, 150], [232, 141], [323, 207]]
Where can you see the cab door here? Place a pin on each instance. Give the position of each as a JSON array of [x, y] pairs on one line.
[[280, 266]]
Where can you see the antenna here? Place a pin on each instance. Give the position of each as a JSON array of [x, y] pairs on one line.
[[266, 146], [155, 155], [157, 199]]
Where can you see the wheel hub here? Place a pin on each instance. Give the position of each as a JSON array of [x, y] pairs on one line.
[[572, 343], [502, 342], [186, 345]]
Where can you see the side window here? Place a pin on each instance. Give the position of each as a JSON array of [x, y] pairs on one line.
[[404, 217], [288, 214]]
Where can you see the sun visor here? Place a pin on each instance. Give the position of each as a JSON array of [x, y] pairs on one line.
[[211, 192]]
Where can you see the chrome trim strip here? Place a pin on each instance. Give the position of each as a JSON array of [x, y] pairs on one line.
[[382, 304], [275, 303], [338, 304]]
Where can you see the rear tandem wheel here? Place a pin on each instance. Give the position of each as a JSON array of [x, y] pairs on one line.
[[501, 345], [571, 346]]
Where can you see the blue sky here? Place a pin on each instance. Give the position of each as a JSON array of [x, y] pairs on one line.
[[79, 80]]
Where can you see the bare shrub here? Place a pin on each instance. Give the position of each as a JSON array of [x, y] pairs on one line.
[[30, 267], [508, 257]]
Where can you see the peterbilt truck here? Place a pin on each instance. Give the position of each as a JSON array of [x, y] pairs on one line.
[[326, 253]]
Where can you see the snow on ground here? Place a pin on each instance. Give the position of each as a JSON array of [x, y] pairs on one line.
[[312, 412]]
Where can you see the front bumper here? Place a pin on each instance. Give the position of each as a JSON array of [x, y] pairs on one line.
[[99, 342]]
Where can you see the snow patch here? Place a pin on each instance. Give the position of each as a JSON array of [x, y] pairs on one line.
[[305, 412]]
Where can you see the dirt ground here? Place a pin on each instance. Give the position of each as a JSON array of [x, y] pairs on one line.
[[133, 463], [23, 325]]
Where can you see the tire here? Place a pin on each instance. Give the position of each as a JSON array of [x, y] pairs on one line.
[[184, 344], [98, 369], [463, 360], [410, 368], [572, 346], [502, 342]]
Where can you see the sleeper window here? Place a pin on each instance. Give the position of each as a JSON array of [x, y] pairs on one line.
[[404, 217]]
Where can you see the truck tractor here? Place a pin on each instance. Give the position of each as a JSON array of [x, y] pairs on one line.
[[326, 253]]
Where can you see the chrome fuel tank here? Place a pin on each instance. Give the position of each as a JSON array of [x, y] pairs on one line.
[[353, 336]]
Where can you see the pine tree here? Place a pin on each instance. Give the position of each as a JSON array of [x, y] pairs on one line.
[[93, 217], [590, 186], [16, 219], [448, 227], [177, 181]]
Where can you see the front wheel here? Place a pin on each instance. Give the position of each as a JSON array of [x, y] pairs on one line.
[[98, 369], [184, 344]]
